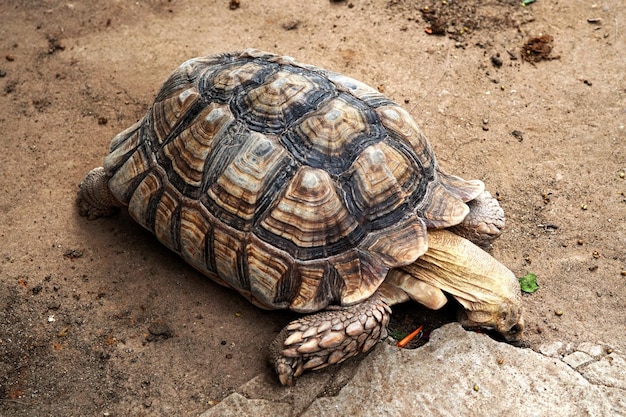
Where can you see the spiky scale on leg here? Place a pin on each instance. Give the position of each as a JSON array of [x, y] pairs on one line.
[[329, 337], [94, 198]]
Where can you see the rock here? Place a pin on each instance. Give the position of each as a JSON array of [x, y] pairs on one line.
[[551, 349], [591, 349], [577, 359], [609, 371], [456, 373]]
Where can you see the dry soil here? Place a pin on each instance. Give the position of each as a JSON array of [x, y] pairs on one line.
[[97, 318]]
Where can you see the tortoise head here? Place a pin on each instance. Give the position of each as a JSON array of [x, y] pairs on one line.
[[488, 291], [505, 318]]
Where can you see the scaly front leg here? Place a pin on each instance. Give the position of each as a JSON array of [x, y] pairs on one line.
[[329, 337]]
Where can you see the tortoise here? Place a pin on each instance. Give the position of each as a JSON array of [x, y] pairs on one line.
[[307, 190]]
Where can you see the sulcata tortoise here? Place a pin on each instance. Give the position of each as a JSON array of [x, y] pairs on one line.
[[307, 190]]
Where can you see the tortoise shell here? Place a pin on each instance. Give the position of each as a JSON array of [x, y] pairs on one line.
[[296, 186]]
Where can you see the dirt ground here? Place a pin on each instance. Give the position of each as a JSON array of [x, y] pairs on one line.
[[97, 318]]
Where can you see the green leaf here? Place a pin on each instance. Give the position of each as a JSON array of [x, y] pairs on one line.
[[528, 283], [398, 334]]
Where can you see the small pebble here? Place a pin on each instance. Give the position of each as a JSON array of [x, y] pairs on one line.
[[159, 330], [9, 57], [558, 312], [291, 25], [54, 305]]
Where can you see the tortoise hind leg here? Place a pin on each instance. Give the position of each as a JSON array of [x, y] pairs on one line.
[[332, 336], [94, 198]]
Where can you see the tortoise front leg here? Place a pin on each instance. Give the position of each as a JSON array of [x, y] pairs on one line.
[[329, 337], [484, 223], [94, 198]]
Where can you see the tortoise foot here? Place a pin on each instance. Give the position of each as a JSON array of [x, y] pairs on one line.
[[332, 336], [94, 198]]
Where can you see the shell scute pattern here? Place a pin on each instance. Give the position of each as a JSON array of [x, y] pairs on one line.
[[241, 187], [282, 99], [310, 220], [296, 186], [191, 148]]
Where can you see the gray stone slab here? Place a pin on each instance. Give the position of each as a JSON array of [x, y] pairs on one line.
[[609, 371], [464, 374], [457, 373], [577, 359]]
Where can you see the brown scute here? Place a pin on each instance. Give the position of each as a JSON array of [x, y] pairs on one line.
[[283, 98], [130, 174], [166, 114], [380, 183], [356, 88], [229, 254], [222, 81], [439, 209], [112, 160], [186, 74], [311, 220], [465, 190], [141, 204], [400, 122], [399, 244], [333, 127], [274, 282], [311, 275], [122, 147], [361, 272], [248, 176], [195, 228], [189, 150], [166, 218]]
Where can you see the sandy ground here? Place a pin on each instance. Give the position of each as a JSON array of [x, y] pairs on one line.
[[98, 318]]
